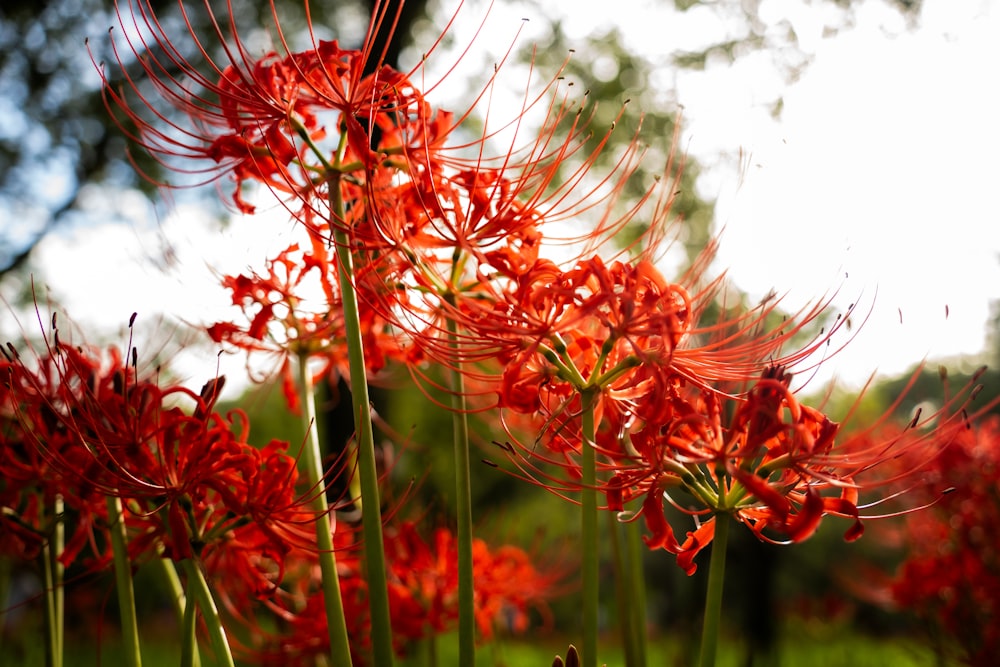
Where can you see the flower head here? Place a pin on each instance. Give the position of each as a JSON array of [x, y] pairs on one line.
[[950, 576], [772, 463], [92, 426]]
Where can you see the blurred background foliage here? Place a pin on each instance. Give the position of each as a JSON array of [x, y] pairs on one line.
[[61, 158], [61, 161]]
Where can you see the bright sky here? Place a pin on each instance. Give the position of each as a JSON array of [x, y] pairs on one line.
[[883, 167]]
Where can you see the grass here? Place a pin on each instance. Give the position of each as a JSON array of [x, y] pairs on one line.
[[842, 649], [800, 648]]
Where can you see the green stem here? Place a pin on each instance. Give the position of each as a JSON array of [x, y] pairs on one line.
[[123, 582], [312, 461], [54, 595], [463, 499], [589, 536], [199, 589], [190, 657], [634, 551], [183, 608], [58, 570], [371, 516], [713, 596], [623, 592], [432, 659]]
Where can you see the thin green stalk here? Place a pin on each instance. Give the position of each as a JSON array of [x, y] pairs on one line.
[[199, 589], [371, 516], [589, 535], [190, 657], [432, 652], [312, 462], [463, 499], [634, 551], [58, 570], [184, 608], [123, 583], [53, 656], [713, 596], [54, 595], [623, 592]]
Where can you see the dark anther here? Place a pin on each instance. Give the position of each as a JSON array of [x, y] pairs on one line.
[[506, 446]]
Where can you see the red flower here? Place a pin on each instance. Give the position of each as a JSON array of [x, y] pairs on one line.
[[42, 456], [92, 426], [259, 118], [775, 465], [423, 586], [423, 595], [951, 575], [294, 310]]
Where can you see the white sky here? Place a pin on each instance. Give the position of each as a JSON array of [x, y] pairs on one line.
[[884, 166], [885, 169]]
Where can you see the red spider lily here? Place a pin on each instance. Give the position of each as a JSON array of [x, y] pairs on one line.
[[294, 310], [42, 461], [772, 463], [241, 107], [187, 479], [425, 583], [289, 626], [621, 330], [761, 456], [626, 330], [439, 235], [588, 324], [260, 118], [509, 584], [423, 596], [261, 121], [471, 237], [951, 575]]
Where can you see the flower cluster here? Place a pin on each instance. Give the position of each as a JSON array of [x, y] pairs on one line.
[[85, 425], [951, 574], [81, 425], [437, 255]]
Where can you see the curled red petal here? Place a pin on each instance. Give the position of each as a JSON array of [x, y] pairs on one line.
[[806, 520], [662, 534], [696, 540], [614, 494], [844, 507]]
